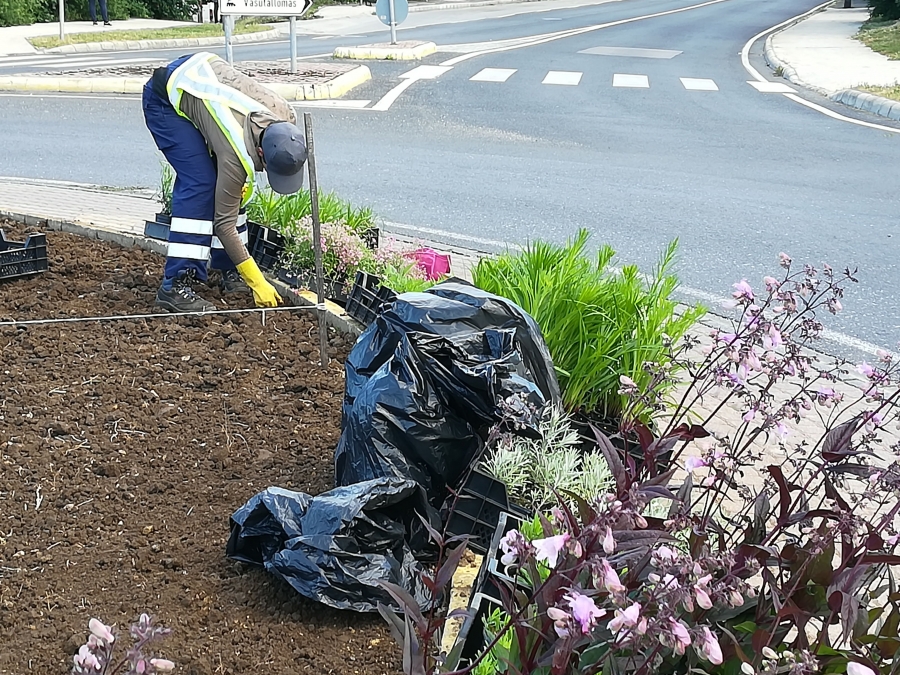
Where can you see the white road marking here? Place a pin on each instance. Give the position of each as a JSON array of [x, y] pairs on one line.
[[632, 52], [332, 103], [388, 99], [564, 77], [550, 18], [324, 37], [698, 84], [493, 75], [767, 87], [632, 81], [425, 72]]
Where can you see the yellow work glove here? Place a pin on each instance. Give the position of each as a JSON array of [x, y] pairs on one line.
[[264, 293]]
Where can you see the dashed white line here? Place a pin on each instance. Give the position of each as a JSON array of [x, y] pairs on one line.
[[767, 87], [563, 77], [631, 81], [698, 84], [493, 75]]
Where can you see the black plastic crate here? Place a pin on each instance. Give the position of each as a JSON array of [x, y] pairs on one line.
[[156, 230], [20, 259], [481, 502], [266, 248], [367, 298], [471, 635]]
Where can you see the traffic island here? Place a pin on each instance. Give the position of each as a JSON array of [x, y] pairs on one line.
[[410, 50], [313, 81]]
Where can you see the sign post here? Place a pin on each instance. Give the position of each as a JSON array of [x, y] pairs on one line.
[[62, 21], [288, 8], [392, 13]]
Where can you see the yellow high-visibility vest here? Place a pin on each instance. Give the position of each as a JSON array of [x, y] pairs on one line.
[[196, 77]]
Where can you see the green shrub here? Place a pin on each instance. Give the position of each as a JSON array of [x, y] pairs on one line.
[[18, 12], [885, 10], [599, 324]]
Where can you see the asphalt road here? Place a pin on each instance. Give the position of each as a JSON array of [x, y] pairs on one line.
[[736, 175]]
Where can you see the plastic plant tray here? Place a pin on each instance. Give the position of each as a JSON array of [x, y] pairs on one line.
[[21, 259], [481, 502], [367, 297]]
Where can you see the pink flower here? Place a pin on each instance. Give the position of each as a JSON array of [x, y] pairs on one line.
[[680, 635], [742, 291], [609, 544], [771, 284], [749, 415], [511, 543], [772, 340], [610, 579], [865, 369], [854, 668], [560, 621], [702, 594], [627, 618], [162, 665], [585, 611], [709, 648], [835, 306], [548, 549], [781, 430], [691, 464], [101, 630], [86, 659], [626, 381], [727, 338], [883, 355], [666, 554], [784, 260]]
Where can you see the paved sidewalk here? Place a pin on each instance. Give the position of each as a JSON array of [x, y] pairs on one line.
[[820, 53], [14, 39]]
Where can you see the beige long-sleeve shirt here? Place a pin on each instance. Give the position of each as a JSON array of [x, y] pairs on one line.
[[231, 176]]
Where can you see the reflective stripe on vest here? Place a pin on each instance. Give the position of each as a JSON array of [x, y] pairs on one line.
[[196, 77]]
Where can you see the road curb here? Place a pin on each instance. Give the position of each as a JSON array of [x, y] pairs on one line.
[[387, 52], [334, 88], [466, 5], [335, 317], [787, 70], [128, 45], [862, 100]]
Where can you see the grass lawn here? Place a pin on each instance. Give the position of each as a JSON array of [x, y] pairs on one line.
[[886, 92], [200, 30], [883, 37]]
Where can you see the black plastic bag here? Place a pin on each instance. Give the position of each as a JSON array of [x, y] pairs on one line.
[[334, 547], [430, 376]]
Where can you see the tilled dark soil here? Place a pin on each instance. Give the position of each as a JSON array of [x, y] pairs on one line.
[[124, 448]]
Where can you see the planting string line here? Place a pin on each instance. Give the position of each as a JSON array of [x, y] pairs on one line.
[[126, 317]]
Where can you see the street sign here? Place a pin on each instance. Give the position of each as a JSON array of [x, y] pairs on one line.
[[383, 11], [266, 7]]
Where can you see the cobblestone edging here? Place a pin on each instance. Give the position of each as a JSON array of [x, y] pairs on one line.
[[128, 45]]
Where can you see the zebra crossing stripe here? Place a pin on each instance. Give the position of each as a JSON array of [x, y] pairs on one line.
[[493, 75], [563, 77], [631, 81], [698, 84]]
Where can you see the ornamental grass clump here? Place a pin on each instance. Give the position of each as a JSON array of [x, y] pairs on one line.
[[598, 323], [777, 553]]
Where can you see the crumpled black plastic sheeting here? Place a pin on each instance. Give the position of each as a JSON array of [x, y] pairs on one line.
[[427, 379], [334, 547]]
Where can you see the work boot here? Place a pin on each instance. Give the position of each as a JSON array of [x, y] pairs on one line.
[[232, 282], [182, 298]]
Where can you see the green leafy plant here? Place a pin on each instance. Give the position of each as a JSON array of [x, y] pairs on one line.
[[599, 324], [166, 186], [535, 471]]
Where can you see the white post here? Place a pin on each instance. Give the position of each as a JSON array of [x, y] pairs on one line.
[[393, 23], [293, 21], [229, 29], [62, 20]]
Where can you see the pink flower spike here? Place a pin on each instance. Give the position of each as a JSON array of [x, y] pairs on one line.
[[854, 668], [691, 464], [162, 665], [101, 630], [548, 549], [585, 611], [609, 543]]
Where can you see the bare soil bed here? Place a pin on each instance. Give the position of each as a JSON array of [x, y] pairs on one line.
[[124, 448]]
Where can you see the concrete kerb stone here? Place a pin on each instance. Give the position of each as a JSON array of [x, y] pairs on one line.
[[402, 51], [334, 88], [787, 70], [120, 45], [334, 315], [862, 100]]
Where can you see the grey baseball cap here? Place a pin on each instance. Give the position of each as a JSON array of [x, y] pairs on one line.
[[284, 150]]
